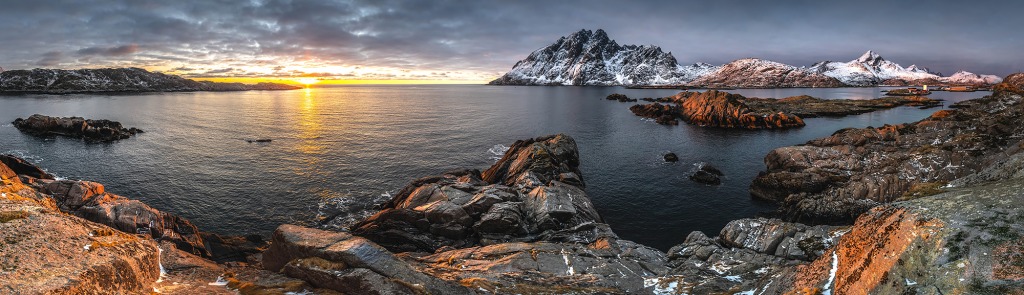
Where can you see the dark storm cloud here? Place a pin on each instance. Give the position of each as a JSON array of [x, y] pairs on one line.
[[109, 51], [488, 37]]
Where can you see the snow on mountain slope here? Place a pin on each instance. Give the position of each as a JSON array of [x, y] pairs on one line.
[[112, 80], [870, 69], [591, 58], [759, 73], [965, 77]]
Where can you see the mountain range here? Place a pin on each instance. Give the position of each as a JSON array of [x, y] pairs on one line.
[[592, 58], [58, 81]]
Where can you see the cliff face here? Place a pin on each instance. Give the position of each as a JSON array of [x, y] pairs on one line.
[[55, 81]]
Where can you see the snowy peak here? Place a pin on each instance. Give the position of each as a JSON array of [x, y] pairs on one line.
[[965, 77], [592, 58], [759, 73], [869, 57]]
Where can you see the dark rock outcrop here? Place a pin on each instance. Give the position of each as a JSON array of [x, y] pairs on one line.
[[671, 157], [56, 81], [620, 97], [707, 174], [714, 109], [836, 178], [77, 127], [22, 167], [534, 193]]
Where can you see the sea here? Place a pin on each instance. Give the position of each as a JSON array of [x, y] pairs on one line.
[[342, 150]]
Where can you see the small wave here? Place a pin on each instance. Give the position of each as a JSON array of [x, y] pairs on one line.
[[7, 125], [497, 151]]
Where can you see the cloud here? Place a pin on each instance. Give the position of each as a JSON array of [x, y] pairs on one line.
[[50, 59], [219, 71], [485, 37], [110, 51]]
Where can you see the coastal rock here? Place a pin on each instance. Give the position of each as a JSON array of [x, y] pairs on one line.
[[620, 97], [759, 73], [43, 251], [22, 167], [534, 193], [715, 109], [89, 130], [671, 157], [836, 178], [591, 58], [58, 81], [806, 106], [90, 201], [340, 261]]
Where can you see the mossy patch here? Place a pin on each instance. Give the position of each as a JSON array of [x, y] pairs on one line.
[[921, 190], [8, 216]]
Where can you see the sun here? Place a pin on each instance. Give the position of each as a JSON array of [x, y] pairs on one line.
[[307, 81]]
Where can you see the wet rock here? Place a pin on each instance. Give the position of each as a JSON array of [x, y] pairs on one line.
[[671, 157], [707, 174], [22, 167], [89, 130]]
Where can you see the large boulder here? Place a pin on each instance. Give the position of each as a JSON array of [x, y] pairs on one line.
[[77, 127], [534, 193], [342, 262]]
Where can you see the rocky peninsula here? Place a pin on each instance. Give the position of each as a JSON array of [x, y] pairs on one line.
[[526, 226], [75, 127], [715, 108], [116, 80]]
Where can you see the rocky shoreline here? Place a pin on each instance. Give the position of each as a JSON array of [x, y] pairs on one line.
[[526, 226]]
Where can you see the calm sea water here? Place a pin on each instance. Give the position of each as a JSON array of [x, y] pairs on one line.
[[347, 146]]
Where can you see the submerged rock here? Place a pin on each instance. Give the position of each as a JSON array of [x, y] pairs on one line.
[[707, 174], [89, 130], [671, 157]]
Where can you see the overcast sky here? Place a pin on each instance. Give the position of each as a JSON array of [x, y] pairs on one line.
[[479, 40]]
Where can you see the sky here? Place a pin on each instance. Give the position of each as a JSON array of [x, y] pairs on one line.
[[476, 41]]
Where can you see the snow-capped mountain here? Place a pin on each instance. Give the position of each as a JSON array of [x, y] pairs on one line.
[[871, 69], [113, 80], [759, 73], [965, 77], [591, 58]]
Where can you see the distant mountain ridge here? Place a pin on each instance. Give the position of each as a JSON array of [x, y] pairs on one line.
[[592, 58], [57, 81]]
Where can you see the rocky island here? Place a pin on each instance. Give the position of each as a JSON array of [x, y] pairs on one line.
[[908, 213], [127, 80], [715, 108], [75, 127]]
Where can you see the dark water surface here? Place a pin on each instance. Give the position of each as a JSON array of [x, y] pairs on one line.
[[355, 143]]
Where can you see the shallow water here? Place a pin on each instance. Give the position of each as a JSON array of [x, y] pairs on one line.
[[355, 143]]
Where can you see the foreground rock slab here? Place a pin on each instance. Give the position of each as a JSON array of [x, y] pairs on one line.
[[76, 127]]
